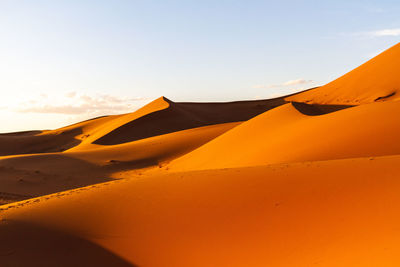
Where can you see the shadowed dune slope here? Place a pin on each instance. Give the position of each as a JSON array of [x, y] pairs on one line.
[[50, 252], [153, 149], [43, 141], [182, 116], [286, 135], [70, 136], [376, 80], [26, 176], [327, 213], [159, 117], [302, 180]]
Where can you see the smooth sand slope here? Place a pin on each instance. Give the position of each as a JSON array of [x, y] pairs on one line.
[[24, 176], [47, 141], [182, 116], [42, 162], [334, 213], [161, 116], [151, 150], [376, 80], [70, 136], [310, 179], [103, 148], [285, 134]]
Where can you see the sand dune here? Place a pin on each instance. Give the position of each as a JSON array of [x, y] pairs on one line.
[[327, 213], [374, 81], [285, 134], [153, 149], [182, 116], [70, 136], [302, 180], [24, 176], [42, 162], [162, 116]]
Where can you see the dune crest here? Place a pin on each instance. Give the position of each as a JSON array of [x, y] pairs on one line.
[[285, 134], [306, 179], [180, 116], [65, 138], [376, 80]]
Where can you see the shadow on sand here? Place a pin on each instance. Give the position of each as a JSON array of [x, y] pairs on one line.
[[26, 244]]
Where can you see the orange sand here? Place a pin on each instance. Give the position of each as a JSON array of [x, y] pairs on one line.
[[376, 80], [309, 179], [323, 213], [286, 135]]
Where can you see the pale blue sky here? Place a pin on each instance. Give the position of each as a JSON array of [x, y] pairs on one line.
[[64, 61]]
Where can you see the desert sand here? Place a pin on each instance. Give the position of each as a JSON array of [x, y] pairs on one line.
[[309, 179]]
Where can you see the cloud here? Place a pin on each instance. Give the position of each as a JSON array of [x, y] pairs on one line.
[[71, 94], [384, 32], [285, 84], [297, 82], [66, 109], [79, 109], [76, 104]]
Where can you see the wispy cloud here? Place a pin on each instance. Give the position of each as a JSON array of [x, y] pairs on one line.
[[297, 82], [285, 84], [381, 33], [77, 104], [71, 94]]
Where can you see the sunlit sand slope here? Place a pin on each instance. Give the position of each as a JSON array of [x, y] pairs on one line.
[[285, 134], [182, 116], [154, 150], [334, 213], [159, 117], [49, 141], [26, 176], [69, 136], [376, 80]]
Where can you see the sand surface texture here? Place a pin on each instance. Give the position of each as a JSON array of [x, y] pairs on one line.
[[309, 179]]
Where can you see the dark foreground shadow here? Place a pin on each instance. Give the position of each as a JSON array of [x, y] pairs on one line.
[[25, 244]]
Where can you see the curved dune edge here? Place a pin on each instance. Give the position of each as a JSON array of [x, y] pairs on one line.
[[326, 213], [374, 81], [301, 180], [286, 135], [156, 149], [159, 117], [73, 135], [25, 176], [180, 116]]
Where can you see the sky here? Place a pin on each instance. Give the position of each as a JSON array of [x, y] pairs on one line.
[[69, 60]]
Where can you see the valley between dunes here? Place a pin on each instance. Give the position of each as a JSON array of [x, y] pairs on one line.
[[309, 179]]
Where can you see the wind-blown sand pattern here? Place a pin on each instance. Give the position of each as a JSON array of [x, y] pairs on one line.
[[310, 179]]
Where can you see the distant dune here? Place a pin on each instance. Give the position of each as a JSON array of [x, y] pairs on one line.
[[309, 179], [182, 116]]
